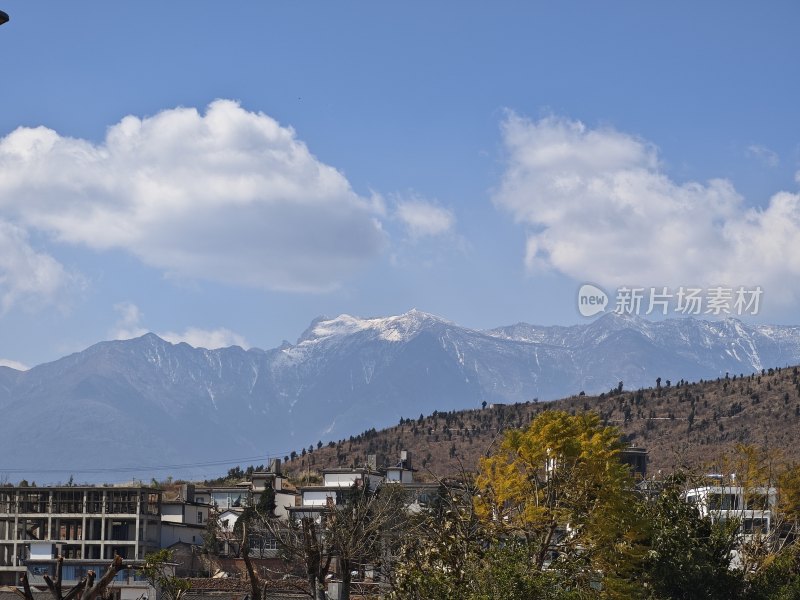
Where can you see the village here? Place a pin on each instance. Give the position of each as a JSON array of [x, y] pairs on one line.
[[262, 537]]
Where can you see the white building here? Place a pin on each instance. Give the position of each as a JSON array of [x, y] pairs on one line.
[[753, 508]]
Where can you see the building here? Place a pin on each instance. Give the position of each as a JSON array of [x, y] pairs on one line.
[[316, 499], [184, 519], [636, 458], [88, 526], [754, 508]]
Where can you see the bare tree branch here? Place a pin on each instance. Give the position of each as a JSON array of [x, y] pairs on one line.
[[26, 586], [115, 567]]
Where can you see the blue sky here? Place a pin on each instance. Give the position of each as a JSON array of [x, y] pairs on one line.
[[225, 173]]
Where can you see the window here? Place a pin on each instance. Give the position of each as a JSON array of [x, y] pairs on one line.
[[755, 526], [723, 502], [199, 516], [67, 501]]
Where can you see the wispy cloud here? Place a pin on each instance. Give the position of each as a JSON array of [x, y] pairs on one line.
[[206, 338], [423, 218], [763, 154], [14, 364], [129, 326]]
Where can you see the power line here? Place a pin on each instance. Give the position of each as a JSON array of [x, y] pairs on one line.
[[135, 468]]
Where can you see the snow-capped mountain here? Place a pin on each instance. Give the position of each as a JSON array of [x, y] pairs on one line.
[[126, 405]]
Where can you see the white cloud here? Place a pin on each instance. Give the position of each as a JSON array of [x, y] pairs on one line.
[[598, 208], [228, 195], [764, 154], [206, 338], [422, 218], [129, 326], [14, 364], [28, 276]]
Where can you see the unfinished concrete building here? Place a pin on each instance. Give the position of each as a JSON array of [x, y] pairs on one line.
[[86, 525]]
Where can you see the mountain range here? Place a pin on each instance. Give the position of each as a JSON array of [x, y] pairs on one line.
[[120, 408]]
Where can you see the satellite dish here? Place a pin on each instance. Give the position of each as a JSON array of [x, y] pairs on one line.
[[3, 17]]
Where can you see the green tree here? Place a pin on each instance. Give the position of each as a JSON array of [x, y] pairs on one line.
[[504, 573], [211, 536], [689, 556], [780, 579], [158, 570]]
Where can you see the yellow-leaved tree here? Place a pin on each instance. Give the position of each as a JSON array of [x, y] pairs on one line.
[[559, 487]]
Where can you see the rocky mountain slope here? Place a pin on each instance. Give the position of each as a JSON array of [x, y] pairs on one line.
[[689, 425]]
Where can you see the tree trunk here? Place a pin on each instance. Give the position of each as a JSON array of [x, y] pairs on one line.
[[345, 566], [255, 587], [322, 574], [87, 583], [97, 589]]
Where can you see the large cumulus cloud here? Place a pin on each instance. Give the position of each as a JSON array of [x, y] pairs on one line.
[[229, 196], [598, 206]]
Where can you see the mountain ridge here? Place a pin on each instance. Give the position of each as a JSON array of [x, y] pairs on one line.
[[153, 402]]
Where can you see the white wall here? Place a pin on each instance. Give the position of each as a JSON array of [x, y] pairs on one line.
[[172, 513], [41, 550], [172, 532], [136, 593], [341, 479], [227, 520], [282, 500], [401, 475], [317, 498], [227, 499]]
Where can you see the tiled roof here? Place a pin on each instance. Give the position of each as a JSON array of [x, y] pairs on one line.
[[232, 587], [223, 584]]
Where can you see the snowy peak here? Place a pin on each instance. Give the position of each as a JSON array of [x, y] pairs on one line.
[[400, 328]]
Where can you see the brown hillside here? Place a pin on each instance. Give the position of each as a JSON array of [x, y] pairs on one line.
[[680, 424]]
